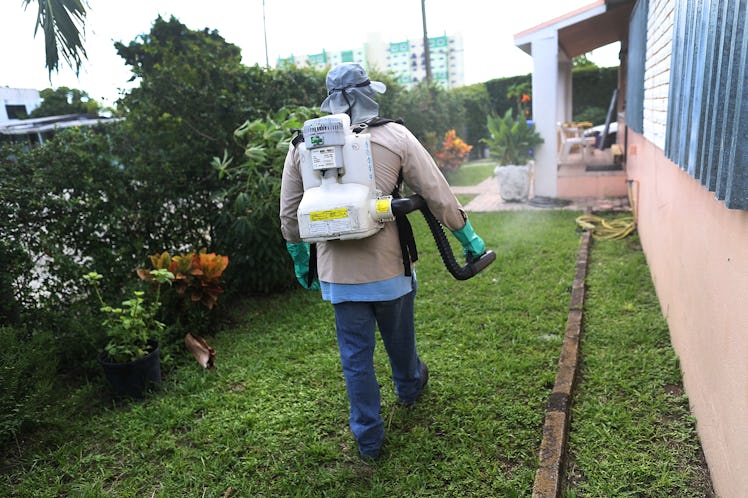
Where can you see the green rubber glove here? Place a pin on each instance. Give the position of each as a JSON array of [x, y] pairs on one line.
[[299, 252], [472, 245]]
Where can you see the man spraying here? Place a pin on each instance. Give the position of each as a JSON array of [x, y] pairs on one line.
[[333, 194]]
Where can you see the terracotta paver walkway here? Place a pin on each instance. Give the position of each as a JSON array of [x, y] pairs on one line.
[[488, 199]]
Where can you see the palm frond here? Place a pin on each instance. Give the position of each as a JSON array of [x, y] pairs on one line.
[[63, 24]]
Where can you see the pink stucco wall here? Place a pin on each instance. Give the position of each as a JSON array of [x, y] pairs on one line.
[[697, 251], [592, 185]]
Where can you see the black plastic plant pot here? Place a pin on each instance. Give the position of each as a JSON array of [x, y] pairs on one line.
[[132, 379]]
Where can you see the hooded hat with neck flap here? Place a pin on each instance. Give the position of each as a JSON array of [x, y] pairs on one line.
[[349, 90]]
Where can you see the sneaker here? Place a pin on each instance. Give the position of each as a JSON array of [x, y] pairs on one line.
[[424, 381]]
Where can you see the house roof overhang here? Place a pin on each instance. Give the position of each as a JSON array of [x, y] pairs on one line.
[[51, 123], [582, 30]]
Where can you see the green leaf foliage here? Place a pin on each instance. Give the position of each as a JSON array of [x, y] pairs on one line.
[[105, 201], [62, 204], [62, 23], [14, 261], [248, 226], [511, 139], [592, 89], [499, 92], [476, 105], [182, 114], [193, 94], [429, 108], [64, 100], [27, 373]]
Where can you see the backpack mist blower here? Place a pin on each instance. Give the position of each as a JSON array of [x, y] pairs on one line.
[[341, 200]]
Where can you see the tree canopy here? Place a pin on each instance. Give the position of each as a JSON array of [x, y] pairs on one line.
[[64, 100]]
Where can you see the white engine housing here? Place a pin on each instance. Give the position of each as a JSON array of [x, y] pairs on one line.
[[340, 195]]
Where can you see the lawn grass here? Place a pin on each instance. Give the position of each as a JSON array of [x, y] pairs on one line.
[[272, 419], [472, 173], [631, 430]]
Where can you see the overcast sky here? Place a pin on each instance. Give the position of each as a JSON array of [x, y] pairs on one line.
[[292, 26]]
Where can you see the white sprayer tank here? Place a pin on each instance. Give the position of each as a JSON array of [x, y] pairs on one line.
[[340, 197]]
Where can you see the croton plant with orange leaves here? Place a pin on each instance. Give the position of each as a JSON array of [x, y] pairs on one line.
[[453, 152], [197, 275]]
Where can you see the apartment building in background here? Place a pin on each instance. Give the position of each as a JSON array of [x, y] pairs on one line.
[[405, 60]]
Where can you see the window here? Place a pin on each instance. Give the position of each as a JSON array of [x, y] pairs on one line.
[[707, 103], [16, 111], [636, 59]]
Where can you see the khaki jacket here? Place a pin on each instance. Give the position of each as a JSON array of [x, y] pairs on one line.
[[378, 257]]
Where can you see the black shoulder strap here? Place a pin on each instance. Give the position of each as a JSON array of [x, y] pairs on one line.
[[405, 232], [298, 138], [377, 121], [382, 121], [312, 264]]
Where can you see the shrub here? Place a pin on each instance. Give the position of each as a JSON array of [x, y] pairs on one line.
[[499, 93], [595, 115], [520, 93], [28, 366], [473, 99], [248, 224], [593, 87], [427, 108], [14, 262], [196, 284], [512, 140], [452, 153], [65, 204]]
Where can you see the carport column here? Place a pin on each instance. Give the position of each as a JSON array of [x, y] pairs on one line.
[[547, 95]]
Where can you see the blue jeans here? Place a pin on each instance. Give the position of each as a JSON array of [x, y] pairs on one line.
[[355, 323]]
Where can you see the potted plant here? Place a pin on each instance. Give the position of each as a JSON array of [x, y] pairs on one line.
[[196, 284], [130, 358], [512, 142]]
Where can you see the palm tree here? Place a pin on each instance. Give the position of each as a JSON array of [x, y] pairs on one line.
[[63, 24]]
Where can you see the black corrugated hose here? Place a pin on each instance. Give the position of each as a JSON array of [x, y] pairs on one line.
[[472, 267]]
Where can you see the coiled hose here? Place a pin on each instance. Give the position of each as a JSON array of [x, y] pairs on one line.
[[408, 204], [617, 229], [607, 230]]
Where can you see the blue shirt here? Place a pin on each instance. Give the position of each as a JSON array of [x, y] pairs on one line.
[[383, 290]]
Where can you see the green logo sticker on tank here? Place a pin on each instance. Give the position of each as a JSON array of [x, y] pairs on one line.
[[317, 140]]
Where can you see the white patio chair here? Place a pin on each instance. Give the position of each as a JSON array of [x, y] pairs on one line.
[[569, 137]]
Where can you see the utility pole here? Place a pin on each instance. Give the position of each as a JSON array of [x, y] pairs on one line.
[[427, 56], [265, 32]]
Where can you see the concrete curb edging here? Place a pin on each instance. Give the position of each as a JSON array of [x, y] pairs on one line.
[[552, 451]]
